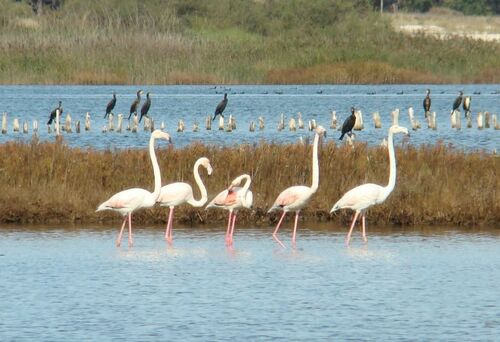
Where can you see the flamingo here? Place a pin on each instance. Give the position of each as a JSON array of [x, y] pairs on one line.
[[232, 199], [364, 196], [127, 201], [297, 197], [175, 194]]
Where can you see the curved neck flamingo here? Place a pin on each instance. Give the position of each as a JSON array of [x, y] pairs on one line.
[[392, 167], [315, 165], [156, 167], [201, 186], [244, 190]]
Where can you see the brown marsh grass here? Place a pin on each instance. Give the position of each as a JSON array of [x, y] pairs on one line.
[[436, 185]]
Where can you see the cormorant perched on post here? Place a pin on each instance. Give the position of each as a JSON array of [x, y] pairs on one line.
[[466, 104], [145, 107], [220, 107], [427, 103], [458, 101], [110, 105], [348, 124], [133, 107], [53, 113]]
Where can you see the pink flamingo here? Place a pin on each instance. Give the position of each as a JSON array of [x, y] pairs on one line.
[[127, 201], [175, 194], [366, 195], [232, 199], [297, 197]]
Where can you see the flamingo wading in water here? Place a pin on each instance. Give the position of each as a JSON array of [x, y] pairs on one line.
[[297, 197], [127, 201], [175, 194], [364, 196], [232, 199]]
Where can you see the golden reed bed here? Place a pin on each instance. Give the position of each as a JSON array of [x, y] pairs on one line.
[[436, 185]]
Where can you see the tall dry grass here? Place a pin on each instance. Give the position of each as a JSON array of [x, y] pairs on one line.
[[51, 182]]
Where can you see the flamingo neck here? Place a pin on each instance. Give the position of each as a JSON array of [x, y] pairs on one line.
[[201, 186], [245, 188], [156, 168], [392, 166], [315, 165]]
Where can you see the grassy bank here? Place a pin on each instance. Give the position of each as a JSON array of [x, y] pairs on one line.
[[228, 41], [436, 185]]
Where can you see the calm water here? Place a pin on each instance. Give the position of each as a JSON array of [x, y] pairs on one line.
[[246, 104], [74, 285]]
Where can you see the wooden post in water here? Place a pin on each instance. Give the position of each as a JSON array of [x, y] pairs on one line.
[[261, 123], [67, 124], [25, 127], [208, 123], [15, 125], [111, 122], [87, 121], [221, 123], [496, 124], [395, 117], [300, 122], [376, 120], [479, 120], [358, 125], [4, 123], [333, 123], [180, 126], [58, 114], [35, 126], [120, 123], [77, 126], [292, 125], [486, 119], [251, 128]]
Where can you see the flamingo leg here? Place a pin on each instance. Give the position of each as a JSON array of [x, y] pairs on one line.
[[275, 236], [130, 239], [232, 229], [364, 230], [348, 238], [168, 233], [295, 226], [119, 238], [228, 231]]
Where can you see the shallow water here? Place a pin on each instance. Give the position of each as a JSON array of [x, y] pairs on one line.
[[246, 104], [74, 284]]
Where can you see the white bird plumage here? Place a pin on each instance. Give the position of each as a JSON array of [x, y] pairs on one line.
[[297, 197], [178, 193], [366, 195], [127, 201], [233, 198]]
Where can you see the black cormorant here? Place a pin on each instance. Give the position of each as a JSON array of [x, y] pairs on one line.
[[220, 107], [53, 113], [458, 101], [145, 107], [133, 107], [348, 124], [427, 103], [110, 105]]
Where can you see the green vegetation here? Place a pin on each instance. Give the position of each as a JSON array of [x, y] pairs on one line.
[[64, 185], [228, 41]]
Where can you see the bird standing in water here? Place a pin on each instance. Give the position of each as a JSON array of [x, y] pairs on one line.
[[364, 196], [427, 104], [220, 107], [145, 107], [111, 105], [348, 124], [133, 107], [297, 197]]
